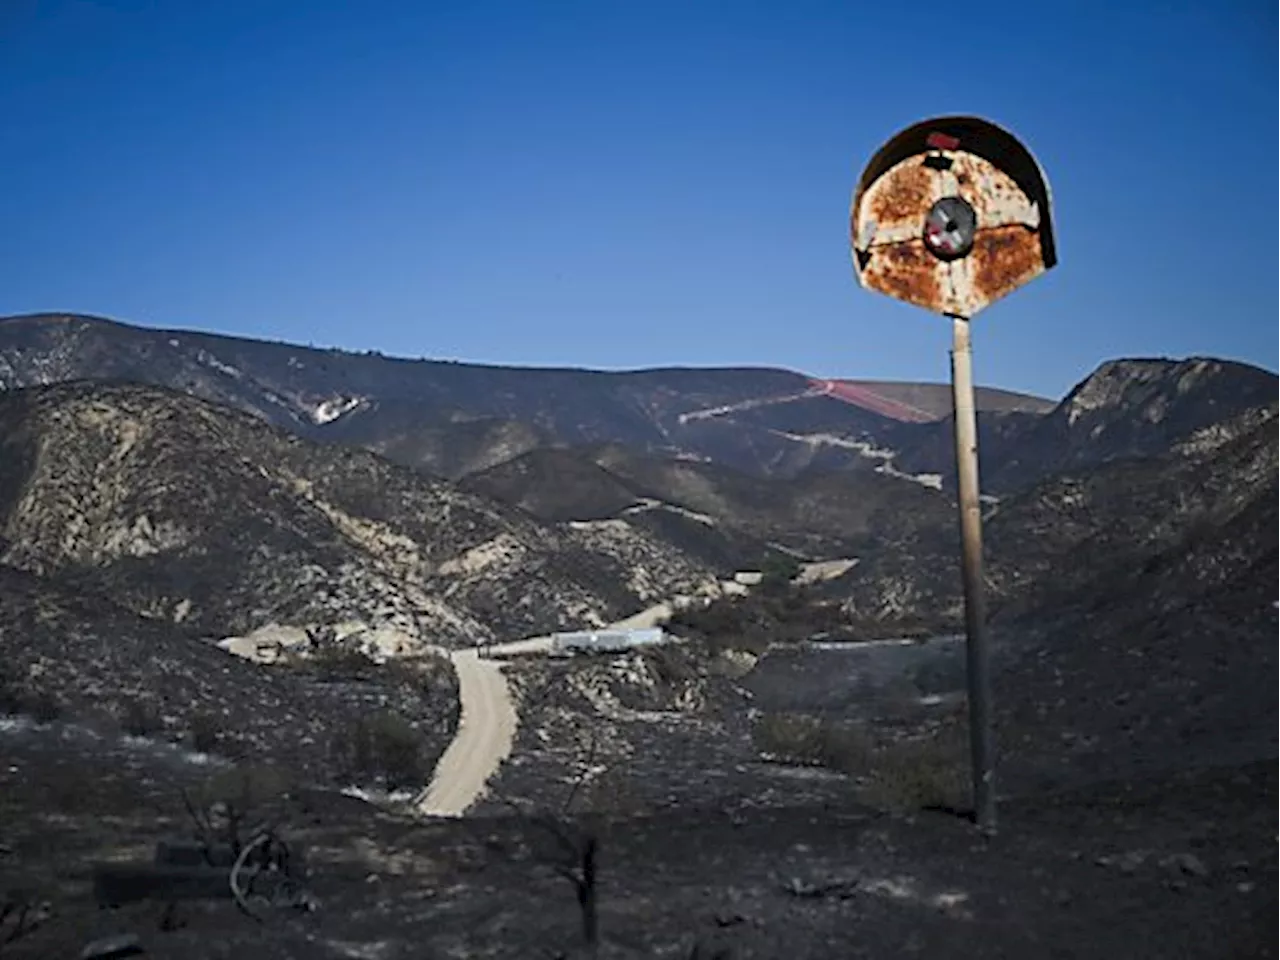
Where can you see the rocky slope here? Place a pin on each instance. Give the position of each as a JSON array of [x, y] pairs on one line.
[[1133, 612], [197, 514], [1125, 409], [1201, 507], [74, 656]]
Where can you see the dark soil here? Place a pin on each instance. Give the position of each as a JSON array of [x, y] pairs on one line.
[[1182, 866], [78, 657]]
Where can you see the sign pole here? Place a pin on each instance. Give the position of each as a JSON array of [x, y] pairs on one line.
[[950, 215], [981, 747]]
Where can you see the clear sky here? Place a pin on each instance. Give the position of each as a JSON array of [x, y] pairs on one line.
[[625, 184]]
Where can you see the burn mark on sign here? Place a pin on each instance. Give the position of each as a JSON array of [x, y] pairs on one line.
[[906, 271], [901, 194], [1003, 259]]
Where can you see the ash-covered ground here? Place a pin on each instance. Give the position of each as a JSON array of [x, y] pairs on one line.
[[1180, 866]]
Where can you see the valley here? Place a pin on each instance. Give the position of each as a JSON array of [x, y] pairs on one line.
[[330, 578]]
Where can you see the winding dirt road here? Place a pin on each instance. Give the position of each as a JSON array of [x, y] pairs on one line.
[[486, 731], [488, 721]]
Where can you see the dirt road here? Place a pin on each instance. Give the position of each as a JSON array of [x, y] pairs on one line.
[[487, 727], [486, 730]]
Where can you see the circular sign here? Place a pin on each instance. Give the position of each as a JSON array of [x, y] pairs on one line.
[[949, 228]]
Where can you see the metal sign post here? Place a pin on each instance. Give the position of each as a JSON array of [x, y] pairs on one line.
[[951, 215], [981, 748]]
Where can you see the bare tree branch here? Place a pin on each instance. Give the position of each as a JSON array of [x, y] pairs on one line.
[[25, 915], [575, 844], [204, 829], [592, 746]]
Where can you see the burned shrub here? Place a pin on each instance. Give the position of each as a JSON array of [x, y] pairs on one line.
[[381, 747], [671, 667], [224, 806], [920, 774], [425, 675], [206, 731], [337, 662], [19, 697], [22, 912], [785, 614], [792, 737], [893, 775], [778, 571], [139, 718], [801, 738]]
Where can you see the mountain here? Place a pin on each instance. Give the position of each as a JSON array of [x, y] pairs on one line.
[[1130, 536], [1144, 636], [1124, 409], [198, 514], [557, 484], [453, 418], [1133, 610], [714, 512], [716, 468], [819, 513]]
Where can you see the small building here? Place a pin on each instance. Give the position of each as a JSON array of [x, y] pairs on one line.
[[604, 641]]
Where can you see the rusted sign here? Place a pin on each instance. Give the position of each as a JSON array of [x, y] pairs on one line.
[[951, 215]]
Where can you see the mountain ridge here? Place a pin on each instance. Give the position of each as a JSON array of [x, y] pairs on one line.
[[410, 408], [453, 420], [60, 317]]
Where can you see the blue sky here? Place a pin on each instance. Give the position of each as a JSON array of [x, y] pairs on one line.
[[617, 184]]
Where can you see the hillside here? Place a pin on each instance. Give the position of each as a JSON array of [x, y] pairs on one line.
[[1124, 409], [1087, 534], [819, 514], [443, 443], [74, 655], [556, 484], [201, 515], [453, 418], [1132, 608], [816, 515], [1156, 601]]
